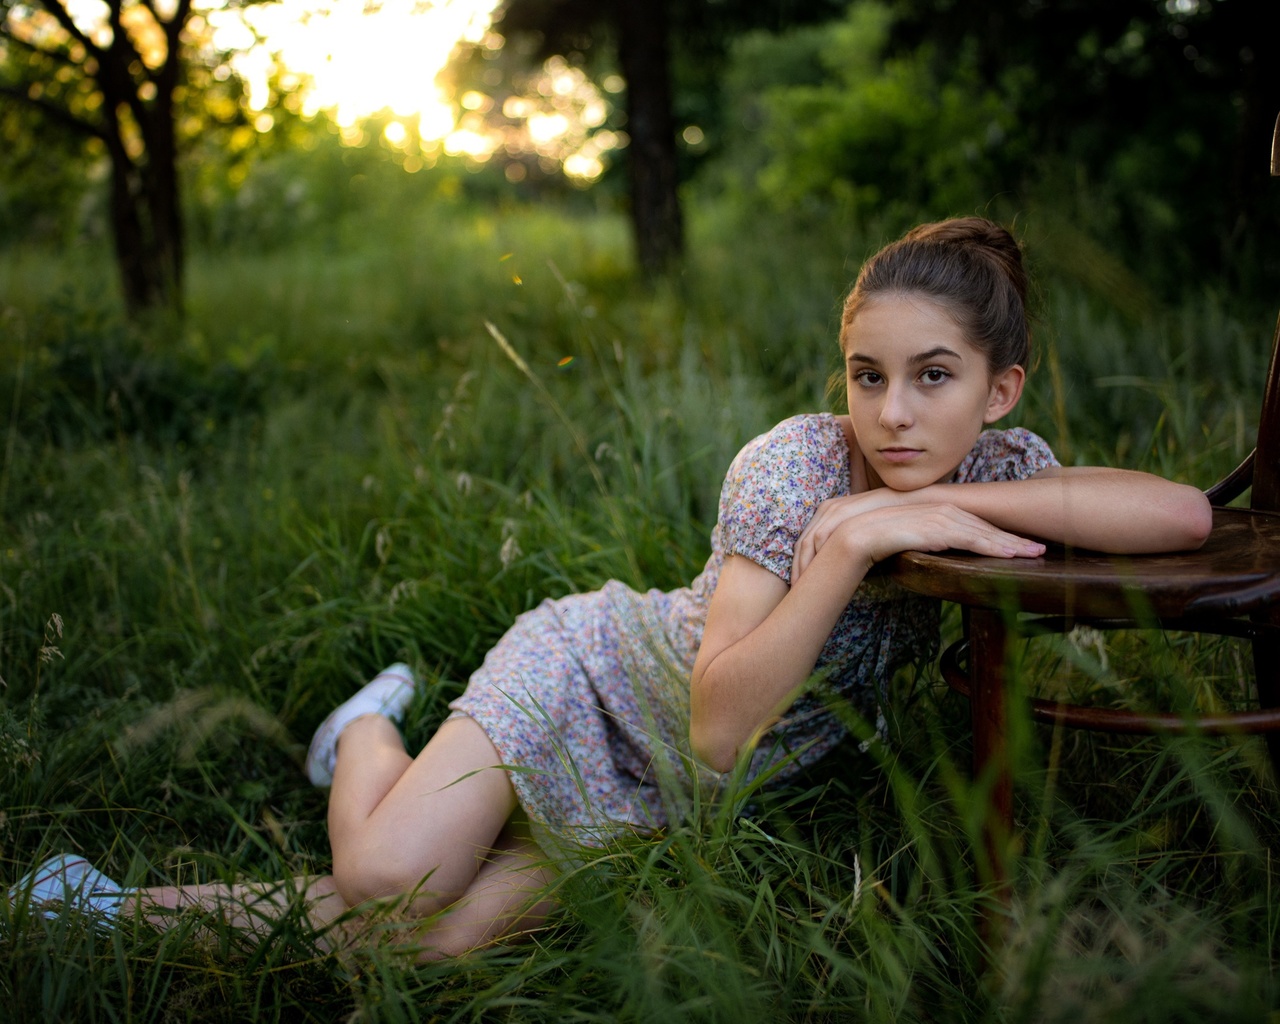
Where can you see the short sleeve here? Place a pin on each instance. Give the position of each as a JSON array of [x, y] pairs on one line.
[[1013, 454], [775, 486]]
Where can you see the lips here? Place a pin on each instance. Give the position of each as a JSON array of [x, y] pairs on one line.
[[900, 454]]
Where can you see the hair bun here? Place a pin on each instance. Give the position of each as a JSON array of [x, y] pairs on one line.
[[977, 233], [972, 266]]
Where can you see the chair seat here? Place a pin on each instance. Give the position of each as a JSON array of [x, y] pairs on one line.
[[1237, 571]]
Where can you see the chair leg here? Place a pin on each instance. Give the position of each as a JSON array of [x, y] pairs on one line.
[[988, 702], [1266, 665]]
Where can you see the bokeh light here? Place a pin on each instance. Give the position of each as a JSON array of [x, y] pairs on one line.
[[355, 59]]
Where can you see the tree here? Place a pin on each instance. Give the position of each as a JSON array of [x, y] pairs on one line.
[[44, 176], [1134, 133], [117, 81], [661, 50], [1171, 99]]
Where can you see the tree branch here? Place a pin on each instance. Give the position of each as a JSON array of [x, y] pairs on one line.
[[173, 33], [180, 17], [59, 58], [114, 76], [56, 113], [120, 38], [64, 19]]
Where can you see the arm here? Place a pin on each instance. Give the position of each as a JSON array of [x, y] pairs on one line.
[[1118, 511], [1113, 510], [760, 643], [762, 638]]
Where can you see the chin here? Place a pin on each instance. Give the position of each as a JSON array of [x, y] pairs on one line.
[[934, 467], [905, 481]]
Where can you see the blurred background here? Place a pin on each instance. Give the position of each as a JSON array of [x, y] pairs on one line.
[[337, 334], [1129, 135]]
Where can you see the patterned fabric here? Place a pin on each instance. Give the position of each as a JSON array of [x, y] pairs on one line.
[[586, 697]]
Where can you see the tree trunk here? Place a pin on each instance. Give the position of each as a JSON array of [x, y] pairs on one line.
[[138, 131], [146, 234], [146, 216], [127, 233], [163, 192], [643, 51]]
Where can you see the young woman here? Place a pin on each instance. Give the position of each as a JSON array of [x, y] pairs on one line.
[[599, 711]]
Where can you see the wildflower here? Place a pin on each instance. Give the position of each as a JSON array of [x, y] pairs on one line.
[[510, 552], [52, 631]]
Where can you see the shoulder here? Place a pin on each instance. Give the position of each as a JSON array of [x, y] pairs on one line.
[[810, 438], [1012, 454], [775, 485]]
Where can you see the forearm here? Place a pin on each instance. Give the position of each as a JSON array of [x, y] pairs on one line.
[[763, 638], [743, 688], [1113, 510]]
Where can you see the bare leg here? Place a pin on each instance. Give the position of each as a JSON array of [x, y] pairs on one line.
[[251, 908], [423, 826], [505, 901], [375, 761], [435, 828]]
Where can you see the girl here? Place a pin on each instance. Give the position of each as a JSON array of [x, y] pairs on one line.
[[582, 719]]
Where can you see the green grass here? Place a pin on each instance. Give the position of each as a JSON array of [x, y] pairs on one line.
[[208, 537]]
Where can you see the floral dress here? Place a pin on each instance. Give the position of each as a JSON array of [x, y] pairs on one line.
[[586, 698]]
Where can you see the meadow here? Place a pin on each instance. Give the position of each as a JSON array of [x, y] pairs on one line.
[[211, 532]]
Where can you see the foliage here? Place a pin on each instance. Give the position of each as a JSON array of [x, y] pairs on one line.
[[334, 467], [1185, 98], [669, 56], [44, 180], [133, 83], [882, 137], [1113, 116], [1102, 121]]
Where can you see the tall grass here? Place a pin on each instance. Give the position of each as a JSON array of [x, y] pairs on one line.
[[210, 537]]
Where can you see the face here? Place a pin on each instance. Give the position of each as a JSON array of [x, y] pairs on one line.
[[919, 391]]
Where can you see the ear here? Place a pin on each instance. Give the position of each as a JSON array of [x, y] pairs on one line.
[[1006, 389]]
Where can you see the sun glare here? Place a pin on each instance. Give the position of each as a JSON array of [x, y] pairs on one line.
[[357, 58], [354, 59]]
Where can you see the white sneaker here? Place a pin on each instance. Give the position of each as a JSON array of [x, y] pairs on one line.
[[71, 882], [387, 694]]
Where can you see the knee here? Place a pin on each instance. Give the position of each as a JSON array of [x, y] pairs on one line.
[[380, 875], [475, 925]]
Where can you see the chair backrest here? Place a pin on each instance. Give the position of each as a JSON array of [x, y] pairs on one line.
[[1266, 460]]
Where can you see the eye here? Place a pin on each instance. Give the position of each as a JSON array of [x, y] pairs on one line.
[[868, 378], [935, 375]]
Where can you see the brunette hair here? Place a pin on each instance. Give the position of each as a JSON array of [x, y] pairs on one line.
[[970, 266]]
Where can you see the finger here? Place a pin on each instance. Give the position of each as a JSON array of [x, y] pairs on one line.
[[1015, 545], [811, 539], [802, 556], [985, 539], [937, 527], [1004, 547]]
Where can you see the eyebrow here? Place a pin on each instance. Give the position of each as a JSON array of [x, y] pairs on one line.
[[922, 357]]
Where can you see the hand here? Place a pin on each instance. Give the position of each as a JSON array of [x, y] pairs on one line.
[[879, 532], [834, 511]]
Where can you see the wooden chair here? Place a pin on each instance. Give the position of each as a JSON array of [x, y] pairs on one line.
[[1230, 587]]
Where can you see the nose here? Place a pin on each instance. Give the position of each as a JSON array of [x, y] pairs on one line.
[[895, 411]]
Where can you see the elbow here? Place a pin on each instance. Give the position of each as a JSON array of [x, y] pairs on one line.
[[1177, 518], [709, 748], [1195, 519], [710, 739], [1204, 521]]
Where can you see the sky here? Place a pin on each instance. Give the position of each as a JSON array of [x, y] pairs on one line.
[[361, 57], [357, 58]]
